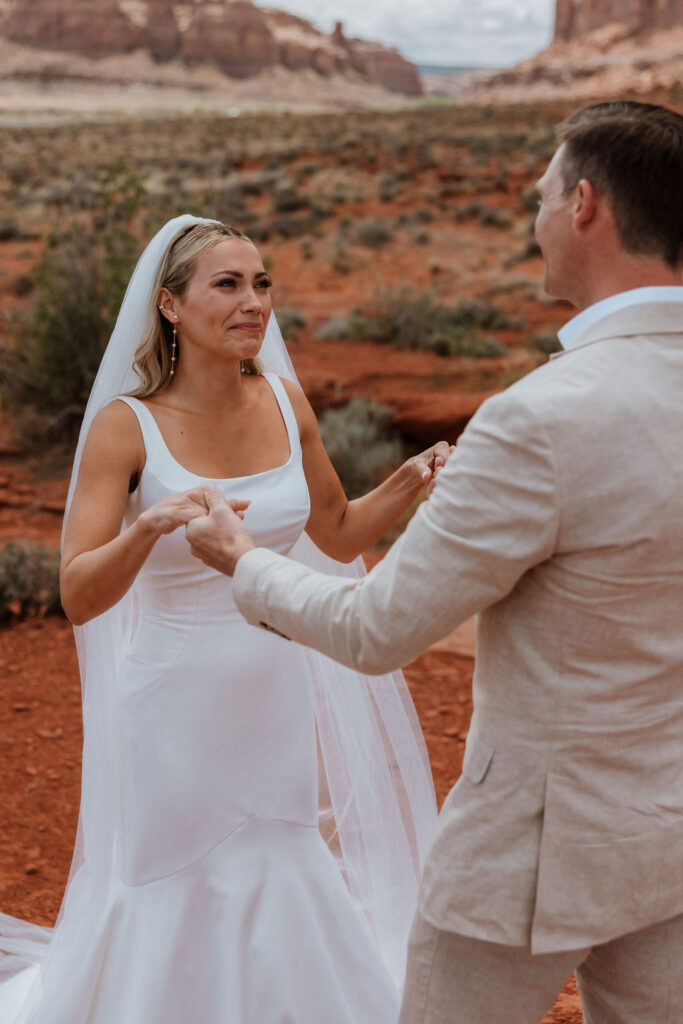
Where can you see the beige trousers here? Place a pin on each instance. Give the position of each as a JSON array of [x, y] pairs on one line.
[[452, 979]]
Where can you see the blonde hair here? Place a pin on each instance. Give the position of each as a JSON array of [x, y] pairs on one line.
[[152, 360]]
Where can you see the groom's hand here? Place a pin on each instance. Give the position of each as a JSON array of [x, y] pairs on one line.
[[221, 538]]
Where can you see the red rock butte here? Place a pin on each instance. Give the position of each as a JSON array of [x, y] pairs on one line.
[[576, 18], [235, 35]]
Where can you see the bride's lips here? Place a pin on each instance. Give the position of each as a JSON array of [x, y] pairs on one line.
[[245, 327]]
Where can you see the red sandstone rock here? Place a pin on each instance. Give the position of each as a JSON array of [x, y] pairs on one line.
[[238, 37], [388, 68], [163, 37], [234, 36], [94, 27], [601, 48], [573, 20]]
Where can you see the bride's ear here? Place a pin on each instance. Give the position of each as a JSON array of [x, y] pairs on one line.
[[166, 305]]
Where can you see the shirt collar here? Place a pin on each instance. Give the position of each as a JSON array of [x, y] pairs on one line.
[[578, 325]]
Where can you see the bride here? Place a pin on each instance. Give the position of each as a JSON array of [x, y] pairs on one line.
[[215, 754]]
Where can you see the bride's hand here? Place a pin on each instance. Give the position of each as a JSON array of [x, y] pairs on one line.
[[426, 466], [176, 510]]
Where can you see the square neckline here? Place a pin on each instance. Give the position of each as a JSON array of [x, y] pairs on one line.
[[216, 479]]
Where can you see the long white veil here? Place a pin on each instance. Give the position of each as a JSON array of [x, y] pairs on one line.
[[371, 745]]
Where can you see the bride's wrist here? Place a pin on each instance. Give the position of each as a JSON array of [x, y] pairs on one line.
[[146, 527], [410, 481]]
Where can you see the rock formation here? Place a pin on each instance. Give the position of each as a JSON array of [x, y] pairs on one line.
[[601, 48], [236, 36], [99, 27], [576, 18], [163, 35]]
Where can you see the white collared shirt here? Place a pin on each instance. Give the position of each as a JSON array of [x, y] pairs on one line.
[[572, 331]]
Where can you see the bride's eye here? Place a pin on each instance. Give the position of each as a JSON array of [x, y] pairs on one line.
[[265, 282], [229, 281]]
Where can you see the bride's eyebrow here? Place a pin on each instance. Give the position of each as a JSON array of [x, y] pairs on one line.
[[237, 273]]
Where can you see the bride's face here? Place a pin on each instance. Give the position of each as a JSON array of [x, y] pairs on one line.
[[227, 304]]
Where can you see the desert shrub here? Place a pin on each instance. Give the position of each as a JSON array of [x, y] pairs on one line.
[[289, 201], [530, 247], [229, 206], [339, 328], [386, 187], [472, 209], [372, 232], [341, 261], [496, 216], [9, 231], [359, 443], [290, 321], [22, 285], [545, 342], [289, 226], [529, 199], [46, 376], [29, 581], [405, 319], [306, 248]]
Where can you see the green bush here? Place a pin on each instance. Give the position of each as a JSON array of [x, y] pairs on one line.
[[403, 319], [46, 376], [289, 226], [372, 232], [9, 231], [290, 322], [289, 201], [546, 342], [359, 444], [29, 581]]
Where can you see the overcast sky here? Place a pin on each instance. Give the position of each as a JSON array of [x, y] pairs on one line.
[[470, 32]]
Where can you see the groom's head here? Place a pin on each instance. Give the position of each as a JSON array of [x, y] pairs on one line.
[[611, 206]]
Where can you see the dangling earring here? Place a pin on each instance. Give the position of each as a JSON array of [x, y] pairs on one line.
[[175, 332]]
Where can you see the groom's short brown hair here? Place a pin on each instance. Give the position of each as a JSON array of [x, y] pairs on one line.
[[633, 154]]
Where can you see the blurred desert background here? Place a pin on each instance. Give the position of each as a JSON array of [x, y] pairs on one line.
[[393, 200]]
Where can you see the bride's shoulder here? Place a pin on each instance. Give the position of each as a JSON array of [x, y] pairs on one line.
[[116, 426], [303, 412]]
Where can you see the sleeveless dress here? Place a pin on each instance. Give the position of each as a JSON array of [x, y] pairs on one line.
[[226, 906]]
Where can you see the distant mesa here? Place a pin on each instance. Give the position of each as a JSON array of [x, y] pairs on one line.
[[236, 36], [599, 48], [576, 18]]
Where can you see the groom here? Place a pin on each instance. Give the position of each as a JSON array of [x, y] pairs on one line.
[[559, 519]]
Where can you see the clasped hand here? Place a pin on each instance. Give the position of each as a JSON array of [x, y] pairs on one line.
[[219, 538], [217, 534]]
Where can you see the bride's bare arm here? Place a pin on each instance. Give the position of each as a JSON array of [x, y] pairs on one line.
[[342, 528], [99, 563]]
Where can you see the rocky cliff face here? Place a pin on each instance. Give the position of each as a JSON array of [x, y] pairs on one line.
[[601, 48], [577, 18], [100, 27], [235, 35]]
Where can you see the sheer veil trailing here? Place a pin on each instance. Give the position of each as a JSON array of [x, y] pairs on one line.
[[371, 748]]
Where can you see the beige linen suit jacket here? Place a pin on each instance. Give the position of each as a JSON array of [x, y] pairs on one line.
[[559, 519]]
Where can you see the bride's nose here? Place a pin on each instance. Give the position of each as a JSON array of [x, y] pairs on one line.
[[251, 302]]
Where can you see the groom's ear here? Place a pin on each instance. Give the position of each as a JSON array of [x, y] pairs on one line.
[[585, 203]]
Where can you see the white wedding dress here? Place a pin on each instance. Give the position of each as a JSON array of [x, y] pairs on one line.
[[201, 890], [225, 905]]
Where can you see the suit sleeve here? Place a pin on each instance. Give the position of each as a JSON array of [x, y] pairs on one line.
[[492, 516]]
